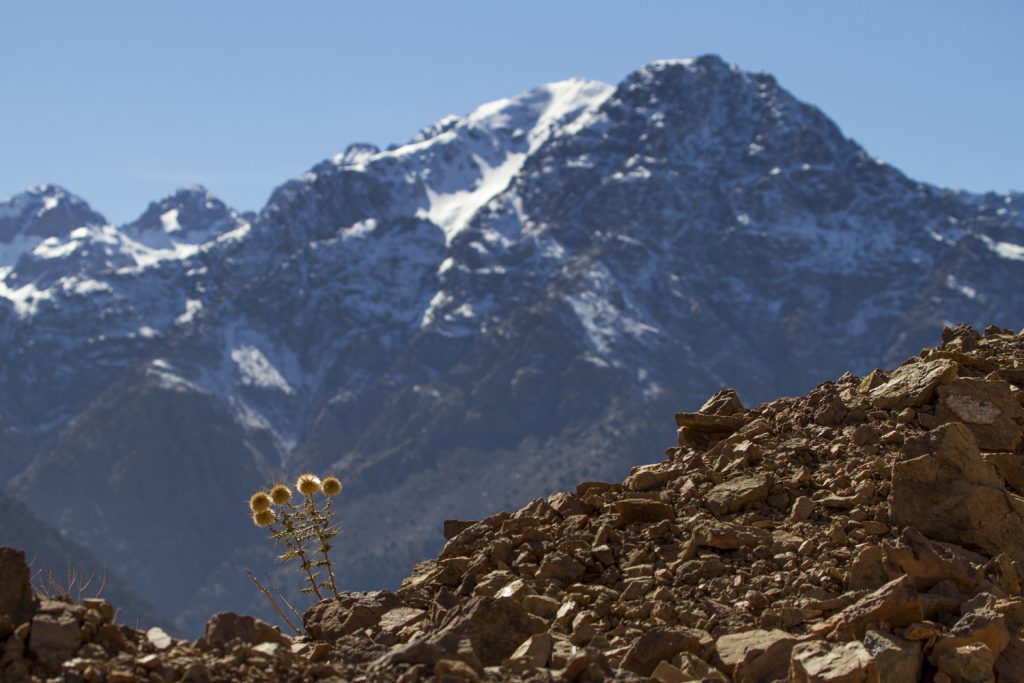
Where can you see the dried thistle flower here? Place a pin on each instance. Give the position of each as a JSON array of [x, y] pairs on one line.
[[263, 517], [331, 486], [304, 529], [280, 494], [308, 484], [259, 502]]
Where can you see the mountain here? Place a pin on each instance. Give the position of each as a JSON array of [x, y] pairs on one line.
[[507, 304], [55, 561]]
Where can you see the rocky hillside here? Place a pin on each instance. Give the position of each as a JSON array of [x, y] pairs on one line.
[[872, 530], [506, 304]]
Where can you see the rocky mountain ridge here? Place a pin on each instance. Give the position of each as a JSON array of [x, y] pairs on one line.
[[868, 531], [503, 306]]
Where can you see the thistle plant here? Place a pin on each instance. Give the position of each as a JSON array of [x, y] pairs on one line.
[[305, 527]]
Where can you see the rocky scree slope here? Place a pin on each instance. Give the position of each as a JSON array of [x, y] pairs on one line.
[[868, 531], [503, 306]]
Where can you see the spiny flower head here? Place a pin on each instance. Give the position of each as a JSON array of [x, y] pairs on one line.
[[308, 484], [259, 502], [280, 494], [331, 486], [263, 517]]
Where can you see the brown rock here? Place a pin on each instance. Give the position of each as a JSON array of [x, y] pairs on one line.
[[913, 384], [398, 618], [494, 627], [567, 504], [983, 624], [820, 662], [454, 527], [331, 619], [560, 566], [54, 638], [724, 402], [1009, 666], [987, 407], [951, 494], [895, 603], [224, 627], [728, 536], [929, 563], [648, 477], [660, 644], [737, 493], [867, 571], [535, 651], [802, 509], [642, 510], [15, 586], [969, 663], [898, 660], [754, 656]]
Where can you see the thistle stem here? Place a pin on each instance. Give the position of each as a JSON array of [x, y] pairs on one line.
[[306, 565]]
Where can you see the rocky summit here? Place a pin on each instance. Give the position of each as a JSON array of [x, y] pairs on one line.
[[872, 530]]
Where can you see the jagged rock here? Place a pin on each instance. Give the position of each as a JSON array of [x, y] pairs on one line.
[[224, 627], [754, 656], [949, 493], [982, 624], [802, 509], [895, 603], [494, 627], [633, 510], [559, 566], [54, 637], [728, 536], [351, 612], [737, 493], [724, 402], [987, 407], [659, 645], [1009, 666], [913, 384], [399, 617], [454, 527], [534, 652], [929, 563], [898, 659], [820, 662], [867, 571], [15, 586], [968, 663]]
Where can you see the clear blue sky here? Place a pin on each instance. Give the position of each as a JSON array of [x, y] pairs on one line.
[[122, 102]]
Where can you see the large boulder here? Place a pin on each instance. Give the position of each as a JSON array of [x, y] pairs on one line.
[[913, 384], [987, 407], [494, 627], [757, 655], [333, 618], [224, 627], [820, 662], [949, 493], [737, 493], [15, 586]]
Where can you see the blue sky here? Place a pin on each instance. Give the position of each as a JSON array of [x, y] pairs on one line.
[[122, 102]]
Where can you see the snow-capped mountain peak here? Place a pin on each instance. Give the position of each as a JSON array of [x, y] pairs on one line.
[[40, 212]]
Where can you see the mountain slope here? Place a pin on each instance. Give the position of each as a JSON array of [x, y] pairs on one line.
[[508, 303]]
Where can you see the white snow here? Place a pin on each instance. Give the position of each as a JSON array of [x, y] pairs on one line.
[[169, 220], [26, 299], [192, 307], [1006, 250], [955, 285], [257, 371]]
